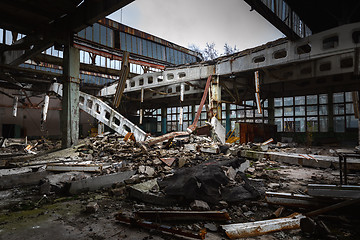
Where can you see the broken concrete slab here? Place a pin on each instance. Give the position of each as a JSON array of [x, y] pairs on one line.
[[149, 192], [23, 179], [311, 160], [149, 171], [61, 167], [214, 149], [95, 183], [218, 129]]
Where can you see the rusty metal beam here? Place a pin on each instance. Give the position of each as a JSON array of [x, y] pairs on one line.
[[164, 137], [251, 229], [192, 127]]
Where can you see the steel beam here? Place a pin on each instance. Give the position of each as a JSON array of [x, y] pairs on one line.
[[334, 191]]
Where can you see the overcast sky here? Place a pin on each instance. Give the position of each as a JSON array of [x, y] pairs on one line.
[[186, 22]]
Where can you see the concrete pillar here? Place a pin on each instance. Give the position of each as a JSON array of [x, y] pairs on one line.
[[215, 97], [70, 101]]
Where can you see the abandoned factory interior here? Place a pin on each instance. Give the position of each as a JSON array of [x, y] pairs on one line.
[[109, 130]]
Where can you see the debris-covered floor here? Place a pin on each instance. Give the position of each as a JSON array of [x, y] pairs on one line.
[[184, 187]]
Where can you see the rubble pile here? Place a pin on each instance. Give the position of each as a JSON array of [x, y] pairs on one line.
[[187, 185], [13, 146], [116, 154]]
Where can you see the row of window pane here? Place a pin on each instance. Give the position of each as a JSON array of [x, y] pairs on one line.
[[105, 36], [310, 113]]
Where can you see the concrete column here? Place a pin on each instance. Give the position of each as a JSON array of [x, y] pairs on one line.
[[215, 97], [70, 101], [271, 113]]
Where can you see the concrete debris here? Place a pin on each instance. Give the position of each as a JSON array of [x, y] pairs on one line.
[[211, 227], [191, 181], [149, 171], [95, 183], [149, 192], [199, 205], [56, 167], [218, 130], [92, 207]]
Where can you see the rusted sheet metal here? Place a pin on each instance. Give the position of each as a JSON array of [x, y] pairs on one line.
[[294, 200], [124, 73], [168, 161], [251, 229], [257, 92], [130, 136], [192, 127], [164, 137], [160, 227], [61, 167], [268, 141], [184, 215]]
